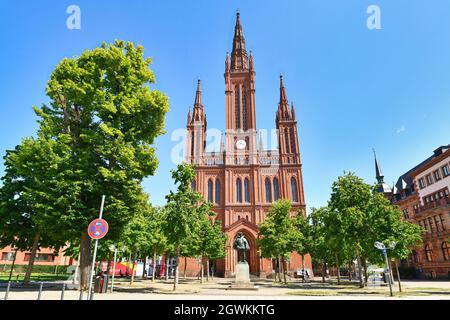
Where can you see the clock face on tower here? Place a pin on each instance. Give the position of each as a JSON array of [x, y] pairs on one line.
[[241, 144]]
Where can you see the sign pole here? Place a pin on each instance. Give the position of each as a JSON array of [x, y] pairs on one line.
[[95, 252]]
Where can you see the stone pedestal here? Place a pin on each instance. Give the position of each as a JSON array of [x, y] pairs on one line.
[[242, 281]]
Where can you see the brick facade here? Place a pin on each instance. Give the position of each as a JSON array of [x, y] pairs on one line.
[[242, 179]]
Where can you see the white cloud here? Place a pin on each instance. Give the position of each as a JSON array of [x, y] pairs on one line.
[[401, 129]]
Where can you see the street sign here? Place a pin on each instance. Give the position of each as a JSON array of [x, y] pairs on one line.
[[98, 229]]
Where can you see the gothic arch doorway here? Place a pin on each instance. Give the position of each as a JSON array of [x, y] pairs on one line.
[[251, 256]]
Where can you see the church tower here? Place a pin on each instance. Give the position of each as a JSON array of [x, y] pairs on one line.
[[240, 102], [241, 179]]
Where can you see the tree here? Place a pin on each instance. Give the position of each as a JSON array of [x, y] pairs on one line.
[[349, 201], [94, 139], [182, 213], [278, 235]]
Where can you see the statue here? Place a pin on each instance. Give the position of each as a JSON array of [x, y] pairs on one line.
[[241, 245]]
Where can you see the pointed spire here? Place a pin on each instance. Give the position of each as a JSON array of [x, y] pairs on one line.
[[198, 107], [239, 57], [292, 110], [378, 172], [227, 63], [283, 106], [189, 116], [251, 61]]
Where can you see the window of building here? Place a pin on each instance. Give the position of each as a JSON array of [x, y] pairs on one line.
[[286, 140], [276, 189], [244, 109], [437, 175], [194, 185], [238, 190], [247, 190], [414, 255], [218, 191], [428, 253], [210, 191], [430, 223], [421, 183], [445, 171], [442, 221], [292, 140], [237, 109], [429, 179], [7, 256], [41, 257], [445, 252], [294, 189], [405, 213], [268, 191]]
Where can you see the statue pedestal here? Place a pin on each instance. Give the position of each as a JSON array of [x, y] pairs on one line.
[[242, 281]]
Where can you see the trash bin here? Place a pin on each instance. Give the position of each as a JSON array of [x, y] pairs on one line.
[[105, 284]]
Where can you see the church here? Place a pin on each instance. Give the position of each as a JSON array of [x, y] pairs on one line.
[[243, 179]]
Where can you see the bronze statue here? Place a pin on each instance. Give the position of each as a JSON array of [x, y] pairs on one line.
[[241, 245]]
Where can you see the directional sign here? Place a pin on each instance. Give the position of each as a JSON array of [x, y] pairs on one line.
[[98, 229]]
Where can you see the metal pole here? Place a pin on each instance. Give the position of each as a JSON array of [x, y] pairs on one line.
[[62, 292], [40, 290], [388, 272], [114, 271], [95, 251], [81, 294], [7, 290]]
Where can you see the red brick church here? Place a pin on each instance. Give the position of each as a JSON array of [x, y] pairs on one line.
[[243, 179]]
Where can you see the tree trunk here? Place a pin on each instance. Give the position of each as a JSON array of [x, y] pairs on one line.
[[185, 267], [350, 267], [284, 270], [177, 262], [26, 280], [279, 269], [338, 270], [201, 270], [398, 276], [207, 270], [128, 264], [85, 260], [167, 267], [323, 271], [108, 268], [132, 270], [361, 284], [366, 277], [143, 271], [12, 265], [154, 266]]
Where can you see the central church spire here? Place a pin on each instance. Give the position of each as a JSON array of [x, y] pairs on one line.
[[239, 56]]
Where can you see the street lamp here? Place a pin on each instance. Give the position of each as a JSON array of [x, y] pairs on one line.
[[382, 247], [114, 249]]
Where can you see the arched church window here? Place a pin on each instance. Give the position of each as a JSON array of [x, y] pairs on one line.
[[286, 140], [276, 189], [194, 185], [237, 111], [239, 190], [244, 109], [428, 254], [218, 191], [210, 190], [292, 141], [445, 252], [268, 191], [294, 189], [247, 190]]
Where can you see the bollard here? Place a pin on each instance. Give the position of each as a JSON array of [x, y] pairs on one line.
[[40, 290], [7, 290], [62, 292], [81, 294]]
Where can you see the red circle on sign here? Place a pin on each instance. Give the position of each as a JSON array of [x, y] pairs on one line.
[[98, 229]]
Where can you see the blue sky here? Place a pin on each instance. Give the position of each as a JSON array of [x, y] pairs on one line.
[[354, 89]]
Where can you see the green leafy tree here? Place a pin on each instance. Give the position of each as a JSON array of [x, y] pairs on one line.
[[182, 213], [94, 139], [278, 234]]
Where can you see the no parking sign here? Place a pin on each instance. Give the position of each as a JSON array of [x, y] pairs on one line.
[[98, 229]]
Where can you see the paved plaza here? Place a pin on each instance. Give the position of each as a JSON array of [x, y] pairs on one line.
[[191, 289]]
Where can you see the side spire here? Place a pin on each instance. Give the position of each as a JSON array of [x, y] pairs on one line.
[[283, 106], [198, 107], [378, 173]]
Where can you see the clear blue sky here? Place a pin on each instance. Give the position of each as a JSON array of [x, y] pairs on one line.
[[353, 88]]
